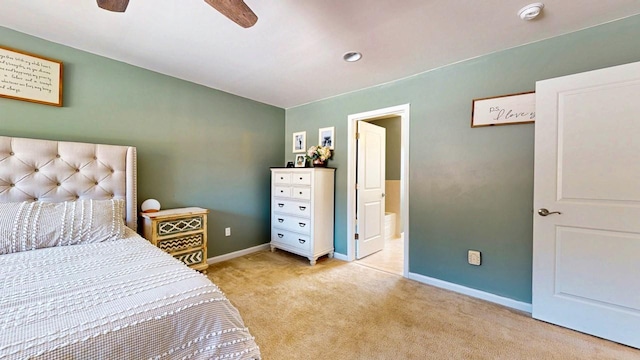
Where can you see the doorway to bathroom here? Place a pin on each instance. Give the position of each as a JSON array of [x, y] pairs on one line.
[[378, 199]]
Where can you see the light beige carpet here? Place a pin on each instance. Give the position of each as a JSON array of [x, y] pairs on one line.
[[339, 310]]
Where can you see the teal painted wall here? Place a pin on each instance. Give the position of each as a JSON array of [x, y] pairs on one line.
[[393, 146], [469, 188], [196, 146]]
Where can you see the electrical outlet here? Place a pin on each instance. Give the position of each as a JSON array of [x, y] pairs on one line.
[[227, 231], [474, 257]]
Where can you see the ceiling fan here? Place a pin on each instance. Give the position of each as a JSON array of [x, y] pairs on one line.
[[236, 10]]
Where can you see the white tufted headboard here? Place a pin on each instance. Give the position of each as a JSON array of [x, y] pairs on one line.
[[55, 171]]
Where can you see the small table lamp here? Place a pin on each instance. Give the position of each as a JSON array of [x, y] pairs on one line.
[[150, 205]]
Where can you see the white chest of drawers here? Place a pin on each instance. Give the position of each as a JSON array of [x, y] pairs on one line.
[[302, 211]]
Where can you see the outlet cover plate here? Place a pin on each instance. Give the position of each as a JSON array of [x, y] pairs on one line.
[[474, 257]]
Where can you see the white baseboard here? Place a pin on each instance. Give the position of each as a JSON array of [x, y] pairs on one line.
[[514, 304], [339, 256], [235, 254]]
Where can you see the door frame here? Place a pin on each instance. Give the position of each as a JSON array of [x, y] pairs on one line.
[[403, 112]]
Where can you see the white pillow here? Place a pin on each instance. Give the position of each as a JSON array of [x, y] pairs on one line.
[[33, 225]]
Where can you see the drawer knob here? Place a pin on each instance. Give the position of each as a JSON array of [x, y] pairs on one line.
[[280, 220], [281, 191], [302, 224], [300, 178], [302, 241], [300, 192], [302, 208], [280, 236], [280, 205]]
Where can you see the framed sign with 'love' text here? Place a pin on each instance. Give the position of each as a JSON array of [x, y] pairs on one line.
[[504, 110]]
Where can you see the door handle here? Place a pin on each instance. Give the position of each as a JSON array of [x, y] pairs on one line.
[[545, 212]]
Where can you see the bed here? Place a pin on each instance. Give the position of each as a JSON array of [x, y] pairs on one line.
[[77, 282]]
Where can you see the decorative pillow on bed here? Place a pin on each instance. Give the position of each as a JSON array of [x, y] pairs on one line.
[[33, 225]]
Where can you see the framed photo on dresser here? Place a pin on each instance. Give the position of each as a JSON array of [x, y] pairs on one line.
[[301, 160]]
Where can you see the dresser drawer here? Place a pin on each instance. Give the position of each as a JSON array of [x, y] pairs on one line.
[[281, 191], [180, 243], [192, 257], [298, 241], [302, 193], [296, 208], [301, 178], [169, 227], [296, 224], [281, 178]]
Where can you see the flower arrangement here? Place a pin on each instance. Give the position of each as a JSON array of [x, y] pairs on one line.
[[318, 152]]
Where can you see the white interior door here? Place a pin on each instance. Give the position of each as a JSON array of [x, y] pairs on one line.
[[586, 258], [370, 192]]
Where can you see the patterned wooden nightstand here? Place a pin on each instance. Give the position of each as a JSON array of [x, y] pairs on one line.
[[180, 232]]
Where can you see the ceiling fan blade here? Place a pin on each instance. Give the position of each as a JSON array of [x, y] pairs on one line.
[[236, 10], [113, 5]]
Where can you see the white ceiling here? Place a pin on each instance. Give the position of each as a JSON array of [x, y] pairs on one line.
[[293, 55]]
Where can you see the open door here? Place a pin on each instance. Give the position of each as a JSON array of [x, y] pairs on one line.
[[370, 189], [586, 224]]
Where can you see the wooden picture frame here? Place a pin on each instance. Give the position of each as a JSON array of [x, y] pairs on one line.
[[301, 160], [29, 77], [509, 109], [299, 141], [327, 137]]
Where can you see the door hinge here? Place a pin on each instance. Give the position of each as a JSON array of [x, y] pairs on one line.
[[357, 237], [357, 187], [357, 136]]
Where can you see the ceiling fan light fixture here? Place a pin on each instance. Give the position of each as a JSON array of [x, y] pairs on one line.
[[236, 11], [531, 11], [113, 5], [352, 56]]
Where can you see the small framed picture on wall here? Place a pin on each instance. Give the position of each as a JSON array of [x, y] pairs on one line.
[[326, 137], [300, 160], [299, 141]]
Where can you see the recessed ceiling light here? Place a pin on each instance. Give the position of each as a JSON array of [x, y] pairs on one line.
[[530, 11], [352, 56]]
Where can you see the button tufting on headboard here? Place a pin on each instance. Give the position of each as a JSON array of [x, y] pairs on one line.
[[55, 171]]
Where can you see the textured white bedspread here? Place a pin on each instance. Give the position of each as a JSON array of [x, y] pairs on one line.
[[114, 300]]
